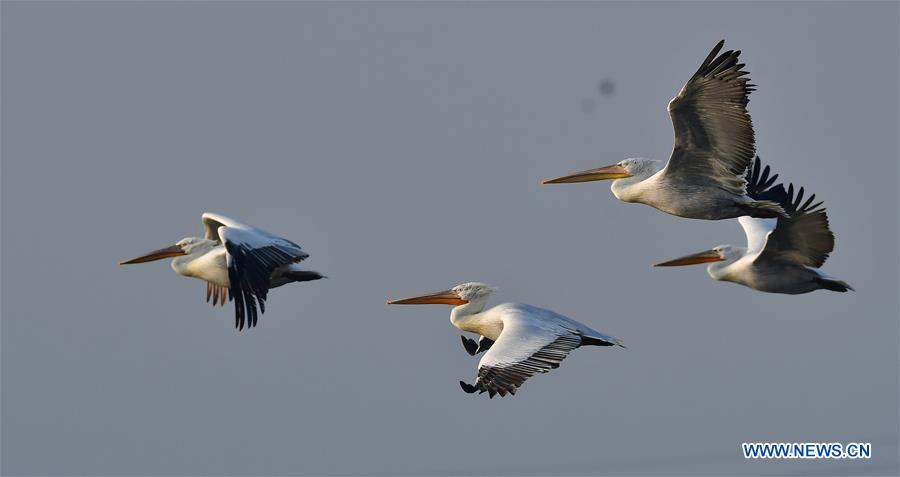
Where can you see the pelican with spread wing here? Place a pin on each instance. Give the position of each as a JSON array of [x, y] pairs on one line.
[[236, 260], [518, 340], [714, 146], [782, 255]]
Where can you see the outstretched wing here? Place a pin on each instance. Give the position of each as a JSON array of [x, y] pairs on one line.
[[714, 138], [252, 255], [526, 346], [804, 237]]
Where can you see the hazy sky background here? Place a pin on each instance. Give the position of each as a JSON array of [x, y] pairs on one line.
[[402, 144]]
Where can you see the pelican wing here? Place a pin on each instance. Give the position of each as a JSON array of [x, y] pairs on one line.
[[757, 232], [714, 138], [472, 347], [759, 187], [759, 182], [804, 237], [212, 222], [252, 255], [526, 346]]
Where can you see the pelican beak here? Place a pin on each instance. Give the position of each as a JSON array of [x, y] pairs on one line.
[[446, 297], [693, 259], [160, 254], [614, 171]]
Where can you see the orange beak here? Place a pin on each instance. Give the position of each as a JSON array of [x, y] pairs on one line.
[[614, 171], [446, 297], [160, 254], [693, 259]]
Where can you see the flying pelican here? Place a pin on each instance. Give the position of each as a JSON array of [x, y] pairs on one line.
[[782, 254], [520, 340], [714, 145], [244, 261]]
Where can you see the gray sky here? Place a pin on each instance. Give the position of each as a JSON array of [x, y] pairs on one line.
[[402, 145]]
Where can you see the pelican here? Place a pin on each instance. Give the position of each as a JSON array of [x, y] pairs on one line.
[[518, 340], [241, 260], [782, 255], [714, 145]]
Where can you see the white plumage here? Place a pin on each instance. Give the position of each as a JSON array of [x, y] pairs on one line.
[[520, 340], [236, 260]]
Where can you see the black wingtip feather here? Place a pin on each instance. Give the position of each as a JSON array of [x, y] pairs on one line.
[[484, 344], [760, 182], [834, 285], [470, 345], [710, 57]]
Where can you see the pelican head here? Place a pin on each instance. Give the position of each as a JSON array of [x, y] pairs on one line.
[[185, 246], [472, 293], [637, 167]]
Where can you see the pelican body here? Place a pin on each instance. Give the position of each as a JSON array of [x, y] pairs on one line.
[[648, 183], [237, 261], [777, 276], [714, 146], [782, 255], [518, 340]]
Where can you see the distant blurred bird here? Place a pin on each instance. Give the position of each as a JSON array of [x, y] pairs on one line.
[[520, 340], [606, 87], [244, 261], [782, 254], [714, 145]]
